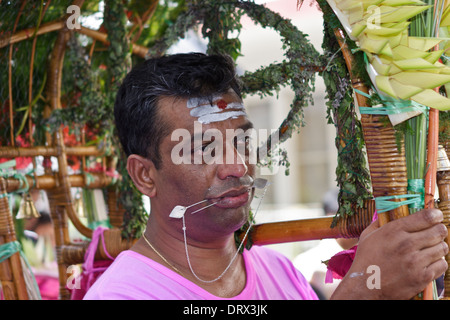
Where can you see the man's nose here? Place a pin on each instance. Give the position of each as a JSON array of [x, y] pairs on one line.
[[233, 163]]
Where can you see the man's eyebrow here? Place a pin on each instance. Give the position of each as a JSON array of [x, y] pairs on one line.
[[246, 126]]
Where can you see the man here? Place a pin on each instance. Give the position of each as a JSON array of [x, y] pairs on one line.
[[187, 255]]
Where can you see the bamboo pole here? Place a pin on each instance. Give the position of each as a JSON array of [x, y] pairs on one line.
[[48, 182], [148, 14], [137, 49], [432, 154], [315, 228], [430, 176], [26, 34], [56, 198], [47, 151], [115, 208]]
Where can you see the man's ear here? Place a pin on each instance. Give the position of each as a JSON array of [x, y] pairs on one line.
[[142, 172]]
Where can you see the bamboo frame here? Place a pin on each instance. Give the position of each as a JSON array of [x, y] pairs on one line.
[[11, 272]]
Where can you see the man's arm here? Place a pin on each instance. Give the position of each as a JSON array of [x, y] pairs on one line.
[[403, 256]]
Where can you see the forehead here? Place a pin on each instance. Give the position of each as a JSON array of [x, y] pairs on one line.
[[214, 112]]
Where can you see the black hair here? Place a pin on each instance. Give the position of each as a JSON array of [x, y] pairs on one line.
[[140, 126]]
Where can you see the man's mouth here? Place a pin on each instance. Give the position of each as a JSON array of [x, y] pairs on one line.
[[232, 198]]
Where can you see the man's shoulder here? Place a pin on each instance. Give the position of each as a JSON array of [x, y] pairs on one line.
[[267, 258], [264, 253]]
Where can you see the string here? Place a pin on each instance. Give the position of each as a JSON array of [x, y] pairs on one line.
[[391, 106], [209, 205], [384, 204], [235, 255], [417, 186]]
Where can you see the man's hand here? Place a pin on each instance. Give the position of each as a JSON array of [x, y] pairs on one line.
[[408, 252]]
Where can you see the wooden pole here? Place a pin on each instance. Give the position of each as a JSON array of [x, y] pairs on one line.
[[47, 151], [47, 182], [430, 176], [29, 32]]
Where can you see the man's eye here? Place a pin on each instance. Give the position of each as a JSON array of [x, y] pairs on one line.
[[203, 148], [206, 147]]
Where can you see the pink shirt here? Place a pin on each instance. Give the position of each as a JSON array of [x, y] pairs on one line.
[[270, 276]]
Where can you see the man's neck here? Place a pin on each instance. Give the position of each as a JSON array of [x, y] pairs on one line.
[[207, 260]]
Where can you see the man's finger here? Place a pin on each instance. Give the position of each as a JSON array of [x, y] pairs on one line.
[[429, 237], [436, 269], [434, 253], [421, 220]]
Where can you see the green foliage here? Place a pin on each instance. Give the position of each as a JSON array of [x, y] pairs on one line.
[[118, 65], [352, 176]]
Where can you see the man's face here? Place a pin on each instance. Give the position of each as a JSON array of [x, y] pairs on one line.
[[216, 165]]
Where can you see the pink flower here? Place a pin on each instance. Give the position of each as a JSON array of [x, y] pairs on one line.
[[339, 264]]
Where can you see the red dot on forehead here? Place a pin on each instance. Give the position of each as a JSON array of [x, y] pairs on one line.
[[222, 104]]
